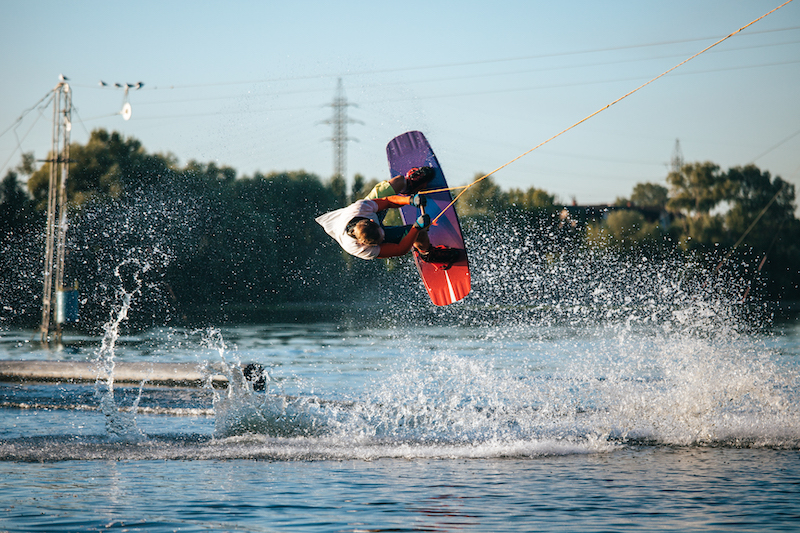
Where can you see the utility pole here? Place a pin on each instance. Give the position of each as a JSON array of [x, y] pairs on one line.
[[56, 230], [340, 138]]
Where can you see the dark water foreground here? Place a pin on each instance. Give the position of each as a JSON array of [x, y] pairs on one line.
[[690, 424], [631, 489]]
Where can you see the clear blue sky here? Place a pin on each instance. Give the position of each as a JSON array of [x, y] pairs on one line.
[[248, 84]]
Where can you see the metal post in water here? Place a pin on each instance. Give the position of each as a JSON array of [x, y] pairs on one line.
[[61, 241], [56, 204]]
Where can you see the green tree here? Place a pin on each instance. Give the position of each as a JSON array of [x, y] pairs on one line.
[[483, 198], [532, 198], [28, 164], [15, 206], [697, 188], [356, 190], [338, 188], [21, 251], [210, 172], [701, 231], [259, 244], [107, 166], [623, 229], [650, 195], [753, 191], [761, 217]]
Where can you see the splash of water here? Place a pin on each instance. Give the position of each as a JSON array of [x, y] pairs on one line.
[[654, 349], [701, 390], [240, 409], [119, 423], [613, 388]]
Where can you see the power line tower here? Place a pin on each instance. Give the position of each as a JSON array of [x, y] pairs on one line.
[[676, 162], [340, 138], [56, 230]]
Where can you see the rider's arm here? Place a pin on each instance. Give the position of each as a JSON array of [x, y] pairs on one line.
[[388, 202], [390, 249]]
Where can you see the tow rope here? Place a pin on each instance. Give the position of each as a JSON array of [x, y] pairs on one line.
[[466, 187]]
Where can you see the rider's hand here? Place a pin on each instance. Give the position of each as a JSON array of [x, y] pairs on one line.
[[423, 221], [418, 201]]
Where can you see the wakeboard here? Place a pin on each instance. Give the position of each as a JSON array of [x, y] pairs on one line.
[[444, 285]]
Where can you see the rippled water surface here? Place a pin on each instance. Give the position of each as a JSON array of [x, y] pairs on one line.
[[496, 426]]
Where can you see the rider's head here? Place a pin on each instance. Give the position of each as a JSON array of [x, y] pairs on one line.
[[368, 232]]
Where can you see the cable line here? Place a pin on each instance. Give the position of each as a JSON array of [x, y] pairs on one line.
[[606, 107], [773, 147], [449, 65], [17, 122], [34, 106]]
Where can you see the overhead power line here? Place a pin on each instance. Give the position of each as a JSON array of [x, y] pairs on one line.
[[454, 64], [624, 96]]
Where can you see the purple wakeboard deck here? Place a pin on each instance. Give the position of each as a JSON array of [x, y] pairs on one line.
[[444, 285]]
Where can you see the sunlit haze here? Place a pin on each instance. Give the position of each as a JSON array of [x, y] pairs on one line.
[[249, 84]]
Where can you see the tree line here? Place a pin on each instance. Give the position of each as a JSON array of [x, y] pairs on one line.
[[741, 219], [197, 242]]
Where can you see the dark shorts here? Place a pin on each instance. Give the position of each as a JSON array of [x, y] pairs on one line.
[[395, 234]]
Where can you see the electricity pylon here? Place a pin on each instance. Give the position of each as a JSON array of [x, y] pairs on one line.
[[676, 162], [340, 138]]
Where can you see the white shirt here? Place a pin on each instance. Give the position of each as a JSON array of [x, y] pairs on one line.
[[335, 225]]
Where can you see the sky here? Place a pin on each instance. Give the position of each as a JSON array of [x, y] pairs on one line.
[[249, 84]]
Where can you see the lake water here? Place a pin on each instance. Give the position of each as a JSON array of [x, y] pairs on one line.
[[490, 420]]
